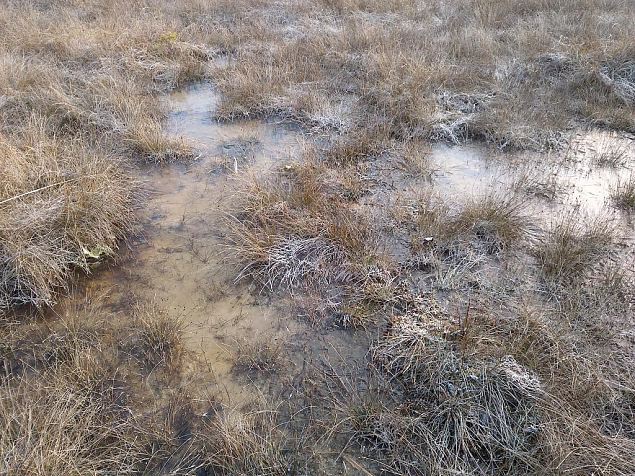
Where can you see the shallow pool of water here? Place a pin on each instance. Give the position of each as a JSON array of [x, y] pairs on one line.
[[556, 183], [181, 264]]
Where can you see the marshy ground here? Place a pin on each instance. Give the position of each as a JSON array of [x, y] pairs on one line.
[[317, 237]]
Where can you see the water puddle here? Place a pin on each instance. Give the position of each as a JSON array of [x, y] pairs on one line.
[[596, 162], [260, 143], [181, 266], [582, 178], [461, 170]]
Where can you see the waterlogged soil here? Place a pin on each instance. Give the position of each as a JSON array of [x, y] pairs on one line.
[[552, 183], [183, 265]]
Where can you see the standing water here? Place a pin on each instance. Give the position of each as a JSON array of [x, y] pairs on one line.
[[181, 264]]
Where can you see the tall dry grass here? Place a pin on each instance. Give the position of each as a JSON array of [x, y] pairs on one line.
[[517, 76], [61, 205], [78, 107]]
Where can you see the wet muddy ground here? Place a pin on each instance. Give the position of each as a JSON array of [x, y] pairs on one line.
[[554, 183], [181, 263]]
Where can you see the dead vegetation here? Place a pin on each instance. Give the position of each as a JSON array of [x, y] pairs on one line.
[[539, 183], [497, 221], [73, 423], [623, 195], [239, 442], [70, 403], [458, 414], [291, 230], [62, 206], [571, 249], [447, 72], [415, 160], [502, 348], [610, 153], [263, 355], [157, 338], [484, 397], [92, 76], [76, 104]]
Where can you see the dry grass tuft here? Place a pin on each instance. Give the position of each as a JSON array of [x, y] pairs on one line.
[[69, 420], [150, 144], [264, 355], [619, 75], [610, 153], [623, 195], [484, 396], [571, 249], [246, 442], [62, 207], [455, 413], [355, 146], [292, 231], [415, 160], [168, 436], [537, 182], [157, 338], [497, 221]]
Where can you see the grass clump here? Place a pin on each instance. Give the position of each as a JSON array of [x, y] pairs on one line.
[[415, 160], [537, 182], [571, 248], [356, 146], [610, 153], [490, 224], [150, 144], [293, 231], [157, 338], [247, 442], [72, 403], [69, 418], [623, 195], [61, 207], [619, 75], [264, 355], [484, 396], [496, 221], [456, 413]]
